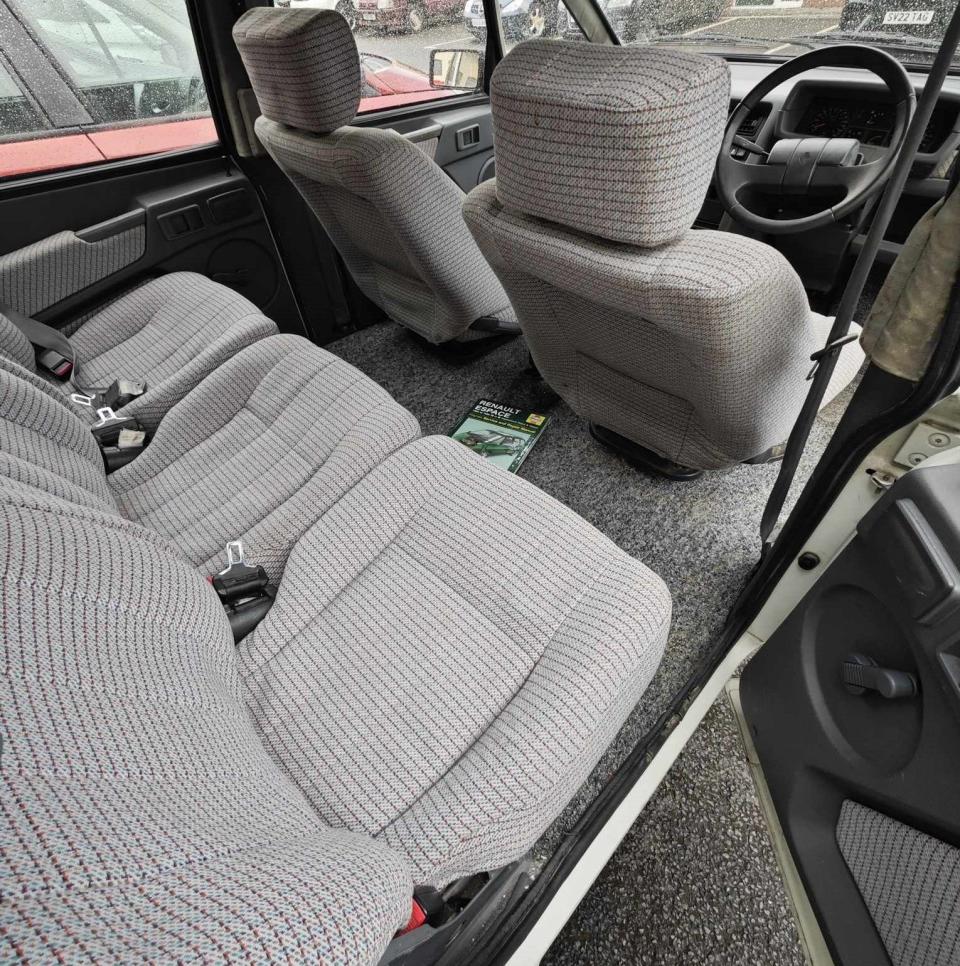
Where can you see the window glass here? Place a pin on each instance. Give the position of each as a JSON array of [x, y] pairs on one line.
[[17, 114], [524, 19], [399, 41], [130, 66], [910, 31]]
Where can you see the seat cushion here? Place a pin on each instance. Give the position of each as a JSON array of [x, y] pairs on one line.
[[259, 450], [450, 653], [171, 333], [141, 817]]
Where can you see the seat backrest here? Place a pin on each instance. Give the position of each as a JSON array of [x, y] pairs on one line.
[[691, 343], [393, 215]]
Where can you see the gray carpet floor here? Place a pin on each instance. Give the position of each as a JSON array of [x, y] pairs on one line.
[[695, 880], [701, 537]]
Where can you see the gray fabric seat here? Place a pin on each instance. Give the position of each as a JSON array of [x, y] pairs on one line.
[[170, 332], [466, 666], [259, 450], [463, 647], [141, 817], [692, 344], [391, 212]]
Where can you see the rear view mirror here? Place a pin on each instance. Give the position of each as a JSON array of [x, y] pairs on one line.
[[456, 69]]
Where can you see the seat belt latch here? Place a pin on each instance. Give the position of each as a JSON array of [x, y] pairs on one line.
[[56, 364], [244, 590], [120, 392], [120, 438]]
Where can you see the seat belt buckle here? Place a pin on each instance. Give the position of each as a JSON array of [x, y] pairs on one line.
[[121, 392], [244, 590], [239, 579], [120, 438], [56, 364], [107, 431]]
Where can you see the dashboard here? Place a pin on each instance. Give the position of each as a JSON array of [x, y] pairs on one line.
[[869, 120], [839, 102]]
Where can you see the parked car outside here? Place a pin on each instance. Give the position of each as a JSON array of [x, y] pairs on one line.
[[409, 16], [634, 20], [521, 19], [346, 8], [122, 78], [389, 84], [913, 18], [640, 21]]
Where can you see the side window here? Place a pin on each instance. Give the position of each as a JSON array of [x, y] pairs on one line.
[[401, 40], [18, 116], [526, 19], [118, 79]]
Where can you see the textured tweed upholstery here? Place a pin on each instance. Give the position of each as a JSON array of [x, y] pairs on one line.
[[910, 883], [617, 142], [465, 666], [396, 220], [15, 345], [40, 275], [142, 819], [697, 350], [44, 446], [303, 64], [259, 450], [393, 215], [170, 332]]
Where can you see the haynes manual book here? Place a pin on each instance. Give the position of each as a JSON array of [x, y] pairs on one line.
[[501, 434]]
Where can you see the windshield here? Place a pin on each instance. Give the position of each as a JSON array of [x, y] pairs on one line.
[[911, 30]]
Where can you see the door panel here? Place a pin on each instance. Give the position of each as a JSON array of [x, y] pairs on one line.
[[69, 247], [460, 140], [867, 786]]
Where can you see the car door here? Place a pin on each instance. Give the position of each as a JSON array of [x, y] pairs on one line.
[[112, 168], [854, 707]]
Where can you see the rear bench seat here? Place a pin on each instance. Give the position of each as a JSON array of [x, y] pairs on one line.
[[169, 333], [449, 653]]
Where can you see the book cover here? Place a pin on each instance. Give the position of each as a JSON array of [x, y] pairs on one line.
[[504, 435]]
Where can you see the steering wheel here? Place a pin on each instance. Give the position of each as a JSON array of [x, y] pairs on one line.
[[796, 167]]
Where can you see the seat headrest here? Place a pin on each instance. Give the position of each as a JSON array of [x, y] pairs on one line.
[[617, 142], [303, 65]]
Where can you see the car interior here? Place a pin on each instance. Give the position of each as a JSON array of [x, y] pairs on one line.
[[292, 675]]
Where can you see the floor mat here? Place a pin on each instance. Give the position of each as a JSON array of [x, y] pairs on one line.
[[701, 537], [695, 880]]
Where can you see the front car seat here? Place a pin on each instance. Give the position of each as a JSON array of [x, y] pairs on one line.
[[691, 345], [393, 215]]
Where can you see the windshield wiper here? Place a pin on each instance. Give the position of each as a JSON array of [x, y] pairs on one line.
[[709, 38]]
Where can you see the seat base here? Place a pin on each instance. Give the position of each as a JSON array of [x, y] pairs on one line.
[[641, 457], [461, 352]]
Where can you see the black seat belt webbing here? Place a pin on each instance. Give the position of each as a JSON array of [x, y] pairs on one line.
[[40, 335], [825, 360]]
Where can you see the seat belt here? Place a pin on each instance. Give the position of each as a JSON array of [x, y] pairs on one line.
[[56, 355], [825, 360], [55, 352]]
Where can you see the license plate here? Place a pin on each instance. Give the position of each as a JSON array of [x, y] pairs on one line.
[[917, 18], [478, 22], [368, 16]]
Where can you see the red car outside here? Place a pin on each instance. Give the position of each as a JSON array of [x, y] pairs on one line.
[[152, 103]]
